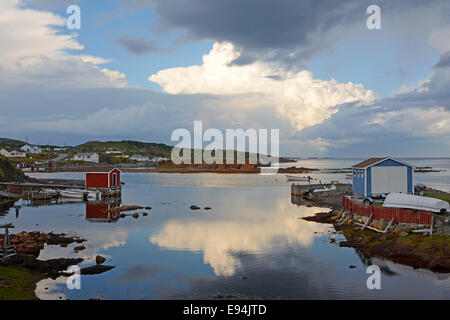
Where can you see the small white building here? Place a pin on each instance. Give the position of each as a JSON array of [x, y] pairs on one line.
[[31, 149], [381, 176], [157, 159], [139, 158], [12, 153], [113, 152], [89, 157]]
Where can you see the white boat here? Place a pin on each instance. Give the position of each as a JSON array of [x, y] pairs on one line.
[[332, 188], [73, 193], [81, 194], [295, 178], [94, 195], [51, 191], [408, 201]]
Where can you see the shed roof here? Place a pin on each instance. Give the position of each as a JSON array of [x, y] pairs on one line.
[[373, 161], [9, 149], [101, 169]]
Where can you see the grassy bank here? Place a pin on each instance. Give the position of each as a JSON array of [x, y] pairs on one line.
[[17, 283], [416, 250], [437, 195]]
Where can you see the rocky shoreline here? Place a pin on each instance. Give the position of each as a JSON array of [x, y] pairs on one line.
[[400, 246], [28, 247]]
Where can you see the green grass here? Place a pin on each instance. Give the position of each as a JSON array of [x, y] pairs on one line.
[[42, 156], [17, 284], [129, 147], [22, 160], [438, 195]]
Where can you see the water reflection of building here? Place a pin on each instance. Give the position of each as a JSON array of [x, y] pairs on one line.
[[298, 200], [102, 211]]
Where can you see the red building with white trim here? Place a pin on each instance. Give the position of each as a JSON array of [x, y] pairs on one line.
[[106, 179]]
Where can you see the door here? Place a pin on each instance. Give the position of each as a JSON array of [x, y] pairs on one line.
[[114, 182], [389, 179]]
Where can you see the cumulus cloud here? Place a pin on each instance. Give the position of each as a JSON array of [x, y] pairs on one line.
[[297, 96], [34, 50]]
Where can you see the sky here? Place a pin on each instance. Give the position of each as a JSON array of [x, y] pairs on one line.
[[139, 69]]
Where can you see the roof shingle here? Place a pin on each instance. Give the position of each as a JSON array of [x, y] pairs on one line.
[[368, 162]]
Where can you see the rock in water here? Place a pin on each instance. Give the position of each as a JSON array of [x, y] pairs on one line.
[[145, 214], [136, 215], [79, 248], [96, 269], [195, 208], [99, 259]]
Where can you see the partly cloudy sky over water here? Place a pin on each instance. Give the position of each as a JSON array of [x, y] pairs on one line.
[[138, 69]]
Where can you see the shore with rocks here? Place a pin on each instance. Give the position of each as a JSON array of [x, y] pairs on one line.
[[21, 273], [399, 245]]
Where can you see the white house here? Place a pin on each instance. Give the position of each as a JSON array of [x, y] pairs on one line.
[[31, 149], [89, 157], [158, 159], [381, 176], [12, 153], [139, 158]]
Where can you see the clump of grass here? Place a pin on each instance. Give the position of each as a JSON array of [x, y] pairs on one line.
[[17, 284], [438, 195]]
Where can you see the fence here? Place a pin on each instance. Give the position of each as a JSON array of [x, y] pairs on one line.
[[395, 214]]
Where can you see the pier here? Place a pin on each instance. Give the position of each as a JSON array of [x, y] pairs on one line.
[[41, 190], [299, 190]]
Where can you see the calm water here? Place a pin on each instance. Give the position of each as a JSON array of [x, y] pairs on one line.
[[253, 231]]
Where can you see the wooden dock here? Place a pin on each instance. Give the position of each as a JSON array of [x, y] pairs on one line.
[[7, 250], [36, 191]]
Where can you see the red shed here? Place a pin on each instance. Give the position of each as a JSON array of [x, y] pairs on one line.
[[103, 178], [51, 164]]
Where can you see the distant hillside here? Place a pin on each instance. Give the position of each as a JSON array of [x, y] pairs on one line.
[[11, 142], [130, 147], [9, 173]]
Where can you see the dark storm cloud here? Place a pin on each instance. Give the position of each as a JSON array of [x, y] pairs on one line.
[[141, 46], [278, 27], [444, 61], [271, 29]]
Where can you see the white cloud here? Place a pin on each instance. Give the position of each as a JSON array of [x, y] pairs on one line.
[[123, 120], [416, 122], [305, 101], [256, 232], [33, 49]]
